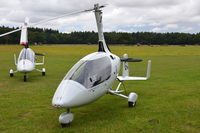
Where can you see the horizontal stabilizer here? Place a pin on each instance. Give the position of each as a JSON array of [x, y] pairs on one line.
[[41, 63], [125, 69], [130, 60], [121, 78]]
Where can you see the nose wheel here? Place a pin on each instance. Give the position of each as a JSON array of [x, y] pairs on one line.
[[25, 77], [66, 118]]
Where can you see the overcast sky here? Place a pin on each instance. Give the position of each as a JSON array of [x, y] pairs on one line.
[[119, 15]]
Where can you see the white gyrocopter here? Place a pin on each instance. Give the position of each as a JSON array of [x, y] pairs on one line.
[[26, 61], [27, 58], [93, 76]]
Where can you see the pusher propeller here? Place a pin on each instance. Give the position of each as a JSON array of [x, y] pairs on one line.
[[130, 60]]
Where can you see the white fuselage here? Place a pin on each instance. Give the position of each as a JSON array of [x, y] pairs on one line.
[[26, 60], [91, 77], [88, 79]]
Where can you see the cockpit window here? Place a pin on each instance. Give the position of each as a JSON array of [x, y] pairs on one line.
[[93, 72], [78, 72], [26, 54]]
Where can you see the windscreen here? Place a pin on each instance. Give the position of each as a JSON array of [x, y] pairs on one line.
[[93, 72], [27, 54]]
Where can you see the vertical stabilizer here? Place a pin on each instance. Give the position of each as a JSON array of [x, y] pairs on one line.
[[148, 69], [125, 69], [102, 44], [24, 33]]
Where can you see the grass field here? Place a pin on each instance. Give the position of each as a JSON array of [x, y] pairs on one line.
[[169, 101]]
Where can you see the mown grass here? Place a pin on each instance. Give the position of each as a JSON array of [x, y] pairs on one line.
[[168, 102]]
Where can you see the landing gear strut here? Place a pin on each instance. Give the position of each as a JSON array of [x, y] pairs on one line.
[[66, 118], [132, 97]]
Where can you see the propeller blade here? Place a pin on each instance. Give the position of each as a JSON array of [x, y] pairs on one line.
[[10, 32], [130, 60], [39, 54]]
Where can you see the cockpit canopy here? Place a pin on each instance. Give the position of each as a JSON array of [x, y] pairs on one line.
[[92, 72], [27, 54]]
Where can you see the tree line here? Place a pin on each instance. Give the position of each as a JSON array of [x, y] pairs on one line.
[[49, 36]]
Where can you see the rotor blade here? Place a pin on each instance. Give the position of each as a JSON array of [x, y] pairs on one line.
[[39, 54], [44, 21], [47, 20], [10, 32], [131, 60], [66, 14], [102, 6], [61, 16]]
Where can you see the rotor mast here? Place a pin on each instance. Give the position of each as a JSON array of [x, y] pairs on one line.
[[24, 34], [98, 15]]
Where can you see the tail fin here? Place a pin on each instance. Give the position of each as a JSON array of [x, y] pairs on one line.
[[24, 33], [148, 69], [125, 69], [125, 60], [15, 59]]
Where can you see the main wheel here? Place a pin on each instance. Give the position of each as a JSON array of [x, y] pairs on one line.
[[43, 72], [25, 78], [131, 104], [132, 98], [11, 73]]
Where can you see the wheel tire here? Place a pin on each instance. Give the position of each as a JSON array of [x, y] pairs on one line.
[[43, 73], [25, 78], [11, 74], [131, 104], [65, 125]]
